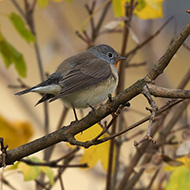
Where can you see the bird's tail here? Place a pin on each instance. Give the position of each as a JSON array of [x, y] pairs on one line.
[[24, 91]]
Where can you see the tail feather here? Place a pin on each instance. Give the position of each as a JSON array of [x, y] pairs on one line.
[[24, 91], [44, 98], [51, 83]]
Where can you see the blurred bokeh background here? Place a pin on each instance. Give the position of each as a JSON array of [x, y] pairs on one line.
[[55, 27]]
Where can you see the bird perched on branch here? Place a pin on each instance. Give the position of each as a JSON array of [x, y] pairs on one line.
[[82, 80]]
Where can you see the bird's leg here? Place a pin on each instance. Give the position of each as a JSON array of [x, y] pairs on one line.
[[110, 98], [75, 114], [91, 107]]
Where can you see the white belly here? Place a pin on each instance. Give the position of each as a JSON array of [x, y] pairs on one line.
[[91, 96]]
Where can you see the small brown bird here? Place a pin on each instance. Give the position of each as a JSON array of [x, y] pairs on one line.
[[82, 80]]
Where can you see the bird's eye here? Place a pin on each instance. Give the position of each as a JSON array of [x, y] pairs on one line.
[[110, 55]]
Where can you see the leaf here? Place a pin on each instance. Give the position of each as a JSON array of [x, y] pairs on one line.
[[49, 173], [45, 169], [141, 5], [146, 9], [15, 133], [33, 172], [13, 167], [180, 175], [5, 52], [19, 25], [118, 7], [42, 3], [11, 56], [29, 172], [95, 153], [152, 10], [62, 0], [179, 179]]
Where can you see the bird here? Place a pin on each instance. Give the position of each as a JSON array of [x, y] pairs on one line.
[[82, 80]]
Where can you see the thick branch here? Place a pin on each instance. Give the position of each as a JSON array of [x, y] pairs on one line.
[[68, 132]]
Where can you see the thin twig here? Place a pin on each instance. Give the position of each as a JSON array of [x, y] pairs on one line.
[[90, 12], [153, 111], [81, 37], [19, 8], [61, 181], [139, 46], [101, 19], [53, 165], [160, 111], [114, 117]]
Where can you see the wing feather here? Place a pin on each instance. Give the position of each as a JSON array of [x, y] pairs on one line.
[[91, 72]]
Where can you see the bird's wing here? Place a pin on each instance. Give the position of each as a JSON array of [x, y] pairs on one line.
[[91, 72]]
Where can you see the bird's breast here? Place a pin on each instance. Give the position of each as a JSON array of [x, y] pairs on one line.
[[93, 95]]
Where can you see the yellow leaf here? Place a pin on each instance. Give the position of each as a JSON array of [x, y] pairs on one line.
[[179, 179], [15, 133], [185, 161], [95, 153], [152, 10], [180, 175], [146, 9], [13, 167]]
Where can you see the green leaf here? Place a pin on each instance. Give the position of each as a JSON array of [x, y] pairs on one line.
[[33, 172], [13, 167], [29, 172], [49, 173], [11, 56], [5, 53], [42, 3], [179, 179], [141, 5], [19, 25]]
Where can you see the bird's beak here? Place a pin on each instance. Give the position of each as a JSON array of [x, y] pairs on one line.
[[118, 59], [121, 58]]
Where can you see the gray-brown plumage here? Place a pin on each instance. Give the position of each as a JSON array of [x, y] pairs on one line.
[[81, 80]]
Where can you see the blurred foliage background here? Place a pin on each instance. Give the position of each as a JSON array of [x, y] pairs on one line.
[[56, 26]]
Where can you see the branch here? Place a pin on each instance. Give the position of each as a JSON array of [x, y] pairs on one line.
[[139, 46], [159, 124], [153, 111], [54, 165], [168, 93], [171, 51], [67, 133], [19, 8]]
